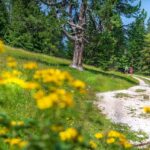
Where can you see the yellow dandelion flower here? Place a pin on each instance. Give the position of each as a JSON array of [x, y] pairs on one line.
[[16, 141], [2, 81], [69, 134], [12, 64], [99, 135], [17, 123], [31, 85], [1, 47], [80, 138], [92, 144], [30, 65], [9, 59], [17, 81], [113, 133], [13, 141], [40, 94], [78, 84], [47, 101], [110, 140], [16, 73], [3, 131], [23, 144], [146, 109], [127, 145]]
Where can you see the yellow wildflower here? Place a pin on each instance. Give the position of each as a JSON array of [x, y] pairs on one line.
[[16, 73], [16, 141], [2, 81], [58, 97], [30, 65], [92, 144], [80, 138], [17, 123], [78, 84], [69, 134], [99, 135], [13, 141], [12, 74], [9, 59], [11, 62], [3, 131], [127, 145], [6, 75], [1, 47], [66, 99], [11, 77], [52, 76], [23, 144], [47, 101], [110, 140], [31, 85], [40, 94], [146, 109], [116, 134]]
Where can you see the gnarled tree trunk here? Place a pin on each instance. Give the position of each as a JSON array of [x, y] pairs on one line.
[[78, 55], [77, 22], [79, 39]]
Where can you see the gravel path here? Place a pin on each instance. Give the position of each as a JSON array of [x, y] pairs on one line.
[[126, 106]]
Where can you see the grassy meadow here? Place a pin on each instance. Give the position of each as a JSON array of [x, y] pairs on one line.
[[18, 104]]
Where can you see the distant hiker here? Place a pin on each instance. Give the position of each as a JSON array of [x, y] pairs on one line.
[[131, 70], [126, 69]]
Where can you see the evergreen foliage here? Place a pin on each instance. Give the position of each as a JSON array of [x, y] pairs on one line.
[[136, 35], [32, 25], [3, 19], [146, 56]]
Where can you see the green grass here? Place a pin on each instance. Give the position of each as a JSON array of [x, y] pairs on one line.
[[18, 104], [95, 78]]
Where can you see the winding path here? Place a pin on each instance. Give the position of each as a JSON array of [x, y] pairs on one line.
[[126, 106]]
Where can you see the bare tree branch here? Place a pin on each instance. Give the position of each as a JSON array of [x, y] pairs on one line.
[[68, 35], [75, 25], [86, 40], [72, 27]]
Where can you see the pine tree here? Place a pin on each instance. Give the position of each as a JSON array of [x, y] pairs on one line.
[[33, 29], [148, 25], [136, 35], [145, 54], [108, 45], [3, 19]]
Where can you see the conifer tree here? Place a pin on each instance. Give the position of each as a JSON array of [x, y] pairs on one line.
[[136, 35], [77, 14], [148, 25], [145, 54], [3, 19]]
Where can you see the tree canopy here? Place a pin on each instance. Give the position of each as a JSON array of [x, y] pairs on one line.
[[87, 31]]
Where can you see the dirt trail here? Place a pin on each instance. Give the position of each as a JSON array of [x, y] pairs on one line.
[[126, 106]]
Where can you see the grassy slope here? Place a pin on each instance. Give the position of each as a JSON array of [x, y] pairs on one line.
[[19, 105]]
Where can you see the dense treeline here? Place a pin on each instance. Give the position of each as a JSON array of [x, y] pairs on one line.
[[89, 31]]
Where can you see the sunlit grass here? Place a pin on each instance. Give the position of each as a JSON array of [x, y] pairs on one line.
[[18, 104]]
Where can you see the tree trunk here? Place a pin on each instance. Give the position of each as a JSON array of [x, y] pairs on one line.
[[79, 39], [78, 55]]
